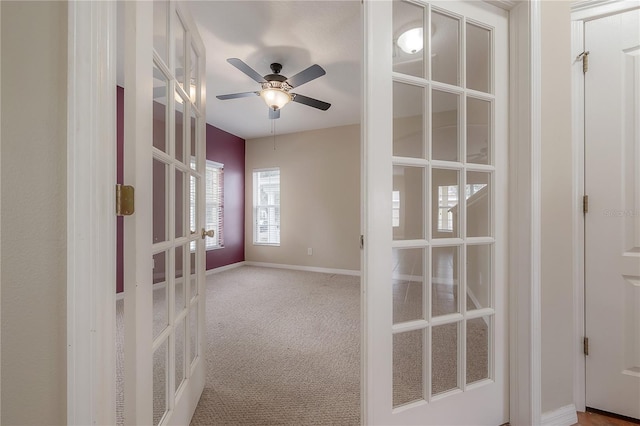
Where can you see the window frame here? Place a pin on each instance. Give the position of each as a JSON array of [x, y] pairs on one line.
[[217, 242], [256, 206]]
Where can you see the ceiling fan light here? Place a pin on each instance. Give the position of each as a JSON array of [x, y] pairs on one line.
[[411, 41], [275, 98]]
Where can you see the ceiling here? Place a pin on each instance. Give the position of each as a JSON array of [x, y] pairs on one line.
[[296, 34]]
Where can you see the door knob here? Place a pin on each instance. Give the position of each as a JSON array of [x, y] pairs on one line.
[[210, 233]]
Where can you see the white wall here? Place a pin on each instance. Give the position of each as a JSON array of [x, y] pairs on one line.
[[320, 197], [558, 344], [33, 216]]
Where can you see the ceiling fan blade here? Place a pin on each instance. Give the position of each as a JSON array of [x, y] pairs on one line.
[[310, 102], [238, 95], [305, 76], [274, 113], [246, 69]]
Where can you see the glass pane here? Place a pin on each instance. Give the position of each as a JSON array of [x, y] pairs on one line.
[[160, 358], [193, 134], [160, 91], [160, 216], [444, 123], [179, 46], [478, 131], [444, 280], [478, 195], [444, 358], [193, 330], [445, 211], [192, 207], [408, 284], [408, 120], [408, 183], [478, 58], [408, 42], [478, 277], [160, 299], [181, 204], [445, 48], [179, 284], [194, 277], [179, 129], [478, 349], [160, 26], [407, 367], [194, 77], [180, 351]]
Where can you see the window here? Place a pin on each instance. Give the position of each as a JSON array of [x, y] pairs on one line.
[[395, 212], [266, 206], [214, 204], [447, 198]]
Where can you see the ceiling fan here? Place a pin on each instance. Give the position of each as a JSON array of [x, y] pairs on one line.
[[276, 87]]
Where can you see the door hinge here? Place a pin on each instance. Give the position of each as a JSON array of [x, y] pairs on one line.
[[361, 242], [585, 204], [585, 346], [584, 57], [125, 200]]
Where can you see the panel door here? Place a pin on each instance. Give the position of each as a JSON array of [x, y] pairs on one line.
[[164, 248], [612, 225], [435, 173]]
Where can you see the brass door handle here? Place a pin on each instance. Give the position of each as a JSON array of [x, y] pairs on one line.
[[210, 233]]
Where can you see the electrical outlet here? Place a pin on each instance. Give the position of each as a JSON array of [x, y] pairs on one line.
[[310, 251]]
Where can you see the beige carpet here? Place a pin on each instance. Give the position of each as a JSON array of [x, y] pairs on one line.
[[283, 347]]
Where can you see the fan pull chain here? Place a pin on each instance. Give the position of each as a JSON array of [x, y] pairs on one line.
[[273, 131]]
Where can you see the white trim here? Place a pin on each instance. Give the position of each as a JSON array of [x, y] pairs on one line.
[[225, 268], [91, 221], [0, 216], [588, 10], [304, 268], [524, 215], [503, 4], [563, 416], [577, 131]]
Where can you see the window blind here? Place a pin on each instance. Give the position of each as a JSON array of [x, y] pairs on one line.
[[266, 206]]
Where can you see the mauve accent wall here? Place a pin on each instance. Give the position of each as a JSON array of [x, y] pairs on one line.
[[222, 147], [228, 149]]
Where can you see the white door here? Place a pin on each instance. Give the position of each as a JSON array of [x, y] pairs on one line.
[[164, 247], [435, 152], [612, 225]]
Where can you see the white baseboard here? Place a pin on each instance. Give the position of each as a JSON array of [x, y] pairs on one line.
[[563, 416], [305, 268], [225, 268]]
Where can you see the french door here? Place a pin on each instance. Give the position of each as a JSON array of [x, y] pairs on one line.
[[435, 130], [164, 247]]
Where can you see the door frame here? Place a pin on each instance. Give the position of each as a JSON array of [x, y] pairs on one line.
[[582, 12], [91, 220]]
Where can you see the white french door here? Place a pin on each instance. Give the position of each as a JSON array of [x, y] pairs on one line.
[[435, 131], [164, 247]]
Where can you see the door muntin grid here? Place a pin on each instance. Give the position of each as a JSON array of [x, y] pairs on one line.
[[444, 313], [177, 143]]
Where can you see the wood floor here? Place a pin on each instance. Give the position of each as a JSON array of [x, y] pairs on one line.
[[593, 419]]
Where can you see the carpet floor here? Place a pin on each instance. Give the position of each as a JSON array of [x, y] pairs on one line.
[[283, 347]]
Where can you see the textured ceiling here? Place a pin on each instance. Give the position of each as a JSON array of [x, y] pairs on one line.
[[296, 34]]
